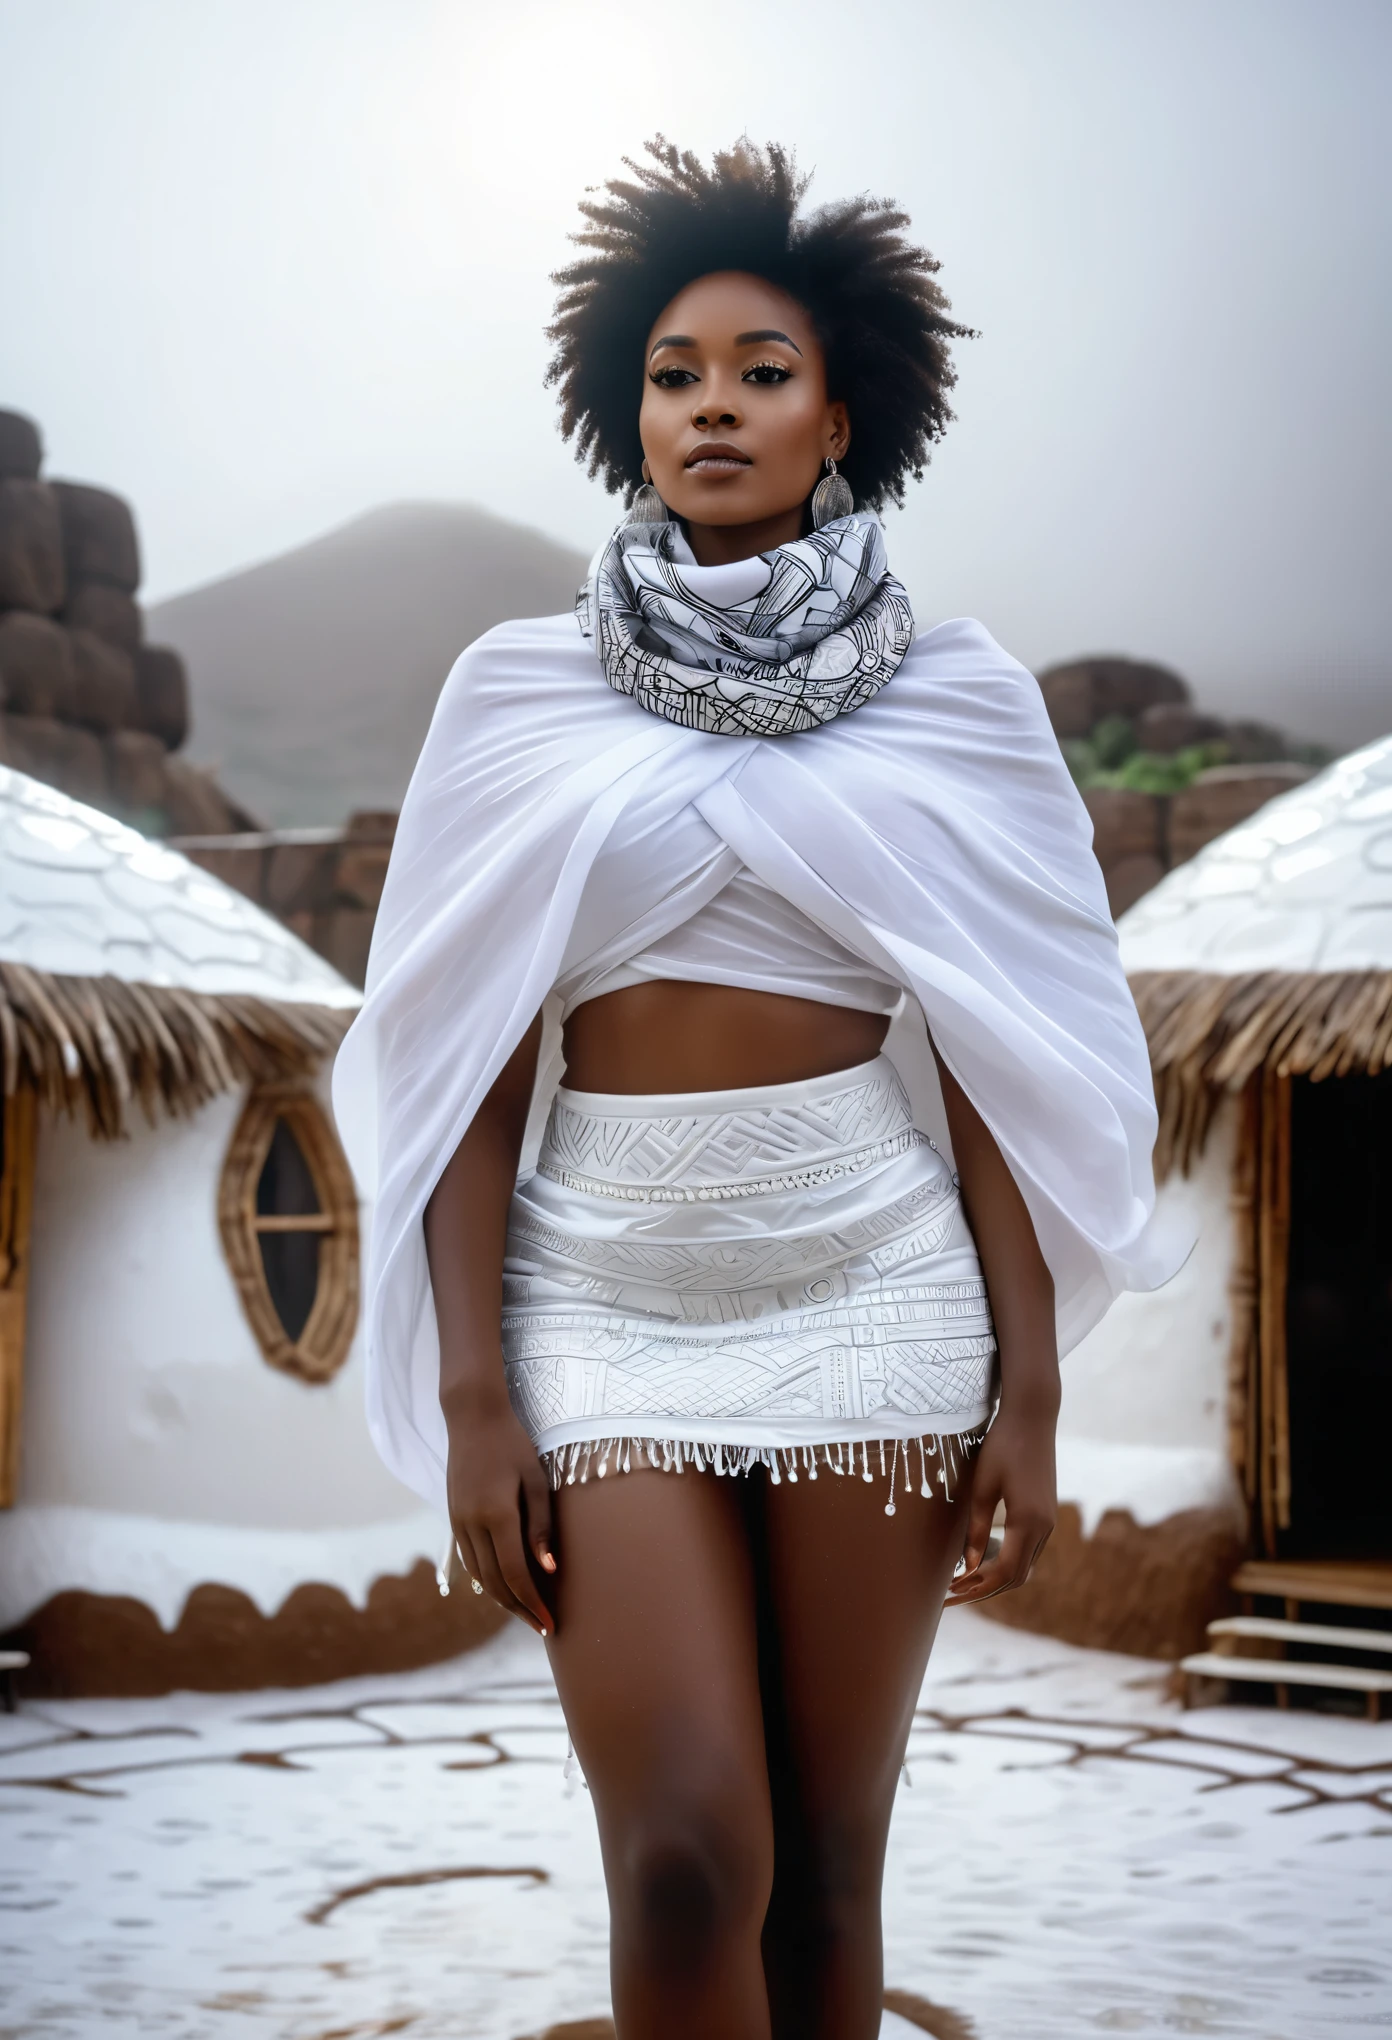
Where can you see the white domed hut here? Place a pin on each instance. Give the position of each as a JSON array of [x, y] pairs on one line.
[[188, 1494], [1239, 1417]]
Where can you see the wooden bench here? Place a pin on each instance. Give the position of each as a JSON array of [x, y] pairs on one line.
[[1253, 1650], [1340, 1583]]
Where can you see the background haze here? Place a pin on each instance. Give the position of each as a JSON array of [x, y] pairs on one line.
[[269, 267]]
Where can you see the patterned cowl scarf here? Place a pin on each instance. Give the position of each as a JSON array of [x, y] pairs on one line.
[[760, 648]]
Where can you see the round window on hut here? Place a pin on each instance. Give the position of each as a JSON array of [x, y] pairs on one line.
[[288, 1212]]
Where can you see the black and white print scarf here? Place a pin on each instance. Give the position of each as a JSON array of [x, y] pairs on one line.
[[782, 642]]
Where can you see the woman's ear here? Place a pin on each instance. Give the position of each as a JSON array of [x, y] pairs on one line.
[[840, 430]]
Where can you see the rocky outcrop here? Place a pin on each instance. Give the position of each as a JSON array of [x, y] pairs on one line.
[[85, 704], [1160, 778]]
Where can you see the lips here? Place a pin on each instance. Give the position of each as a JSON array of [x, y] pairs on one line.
[[717, 457]]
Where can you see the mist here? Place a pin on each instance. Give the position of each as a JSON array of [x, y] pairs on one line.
[[267, 267]]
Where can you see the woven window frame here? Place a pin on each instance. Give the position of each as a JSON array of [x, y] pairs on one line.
[[322, 1347]]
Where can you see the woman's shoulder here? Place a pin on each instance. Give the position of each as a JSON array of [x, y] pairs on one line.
[[557, 636], [532, 654], [964, 646], [957, 671]]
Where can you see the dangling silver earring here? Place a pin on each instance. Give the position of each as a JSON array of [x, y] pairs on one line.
[[831, 498], [647, 506]]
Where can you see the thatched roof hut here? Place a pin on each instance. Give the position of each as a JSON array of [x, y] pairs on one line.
[[1241, 1412], [1271, 950], [188, 1495], [129, 977]]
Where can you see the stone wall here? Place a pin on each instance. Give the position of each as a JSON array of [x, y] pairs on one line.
[[85, 704], [1159, 776], [323, 883], [1138, 837]]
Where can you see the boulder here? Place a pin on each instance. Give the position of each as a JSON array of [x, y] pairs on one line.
[[1253, 743], [194, 803], [135, 772], [21, 450], [31, 547], [1106, 684], [300, 878], [109, 613], [161, 695], [1128, 879], [362, 872], [99, 542], [239, 861], [1124, 824], [59, 755], [1221, 798], [362, 864], [343, 939], [1170, 726], [104, 693], [1069, 701], [37, 672], [372, 825]]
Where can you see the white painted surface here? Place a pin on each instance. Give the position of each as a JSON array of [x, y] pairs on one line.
[[45, 1549], [1144, 1419], [1306, 884], [1074, 1857], [159, 1450], [84, 896], [1150, 1483]]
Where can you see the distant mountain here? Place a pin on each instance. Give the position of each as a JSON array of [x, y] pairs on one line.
[[313, 676]]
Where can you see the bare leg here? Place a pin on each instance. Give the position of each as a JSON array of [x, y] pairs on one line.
[[851, 1602], [656, 1659]]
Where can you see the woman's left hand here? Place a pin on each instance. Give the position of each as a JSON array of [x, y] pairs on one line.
[[1016, 1466]]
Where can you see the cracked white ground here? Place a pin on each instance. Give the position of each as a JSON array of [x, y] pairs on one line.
[[1074, 1855]]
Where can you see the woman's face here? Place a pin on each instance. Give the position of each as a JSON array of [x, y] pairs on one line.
[[735, 419]]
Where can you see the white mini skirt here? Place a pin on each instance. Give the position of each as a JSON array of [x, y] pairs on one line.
[[779, 1277]]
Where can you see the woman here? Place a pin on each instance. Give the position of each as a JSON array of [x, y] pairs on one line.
[[705, 1378]]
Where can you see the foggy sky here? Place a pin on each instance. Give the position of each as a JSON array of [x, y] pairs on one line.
[[267, 263]]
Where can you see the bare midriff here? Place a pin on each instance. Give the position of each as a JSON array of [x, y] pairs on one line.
[[669, 1036]]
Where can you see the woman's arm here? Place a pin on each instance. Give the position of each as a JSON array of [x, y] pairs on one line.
[[499, 1501], [1016, 1462]]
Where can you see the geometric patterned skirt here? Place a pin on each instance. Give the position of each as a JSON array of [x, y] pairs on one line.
[[780, 1277]]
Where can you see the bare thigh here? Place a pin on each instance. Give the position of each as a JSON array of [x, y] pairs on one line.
[[656, 1659], [852, 1599]]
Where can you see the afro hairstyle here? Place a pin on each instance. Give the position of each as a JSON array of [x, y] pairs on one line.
[[880, 315]]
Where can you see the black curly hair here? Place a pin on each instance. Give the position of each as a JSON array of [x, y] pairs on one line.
[[881, 318]]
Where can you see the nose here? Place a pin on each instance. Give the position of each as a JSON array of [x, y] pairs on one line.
[[717, 407]]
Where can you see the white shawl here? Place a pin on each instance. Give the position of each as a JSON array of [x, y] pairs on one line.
[[935, 831]]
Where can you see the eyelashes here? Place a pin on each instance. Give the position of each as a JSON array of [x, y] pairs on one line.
[[767, 373]]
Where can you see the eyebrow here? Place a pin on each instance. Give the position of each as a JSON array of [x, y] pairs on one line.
[[766, 333], [741, 340]]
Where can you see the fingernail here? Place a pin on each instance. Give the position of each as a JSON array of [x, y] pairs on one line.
[[548, 1563]]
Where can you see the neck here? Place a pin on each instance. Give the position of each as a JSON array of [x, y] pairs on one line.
[[718, 545]]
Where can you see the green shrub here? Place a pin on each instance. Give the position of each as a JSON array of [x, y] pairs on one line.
[[1113, 739], [1162, 772]]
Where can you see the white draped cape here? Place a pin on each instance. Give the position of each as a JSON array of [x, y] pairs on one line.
[[551, 820]]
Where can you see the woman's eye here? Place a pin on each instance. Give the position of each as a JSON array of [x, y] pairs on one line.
[[767, 372], [672, 378]]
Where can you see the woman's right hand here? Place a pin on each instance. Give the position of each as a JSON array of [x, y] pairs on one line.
[[500, 1507]]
